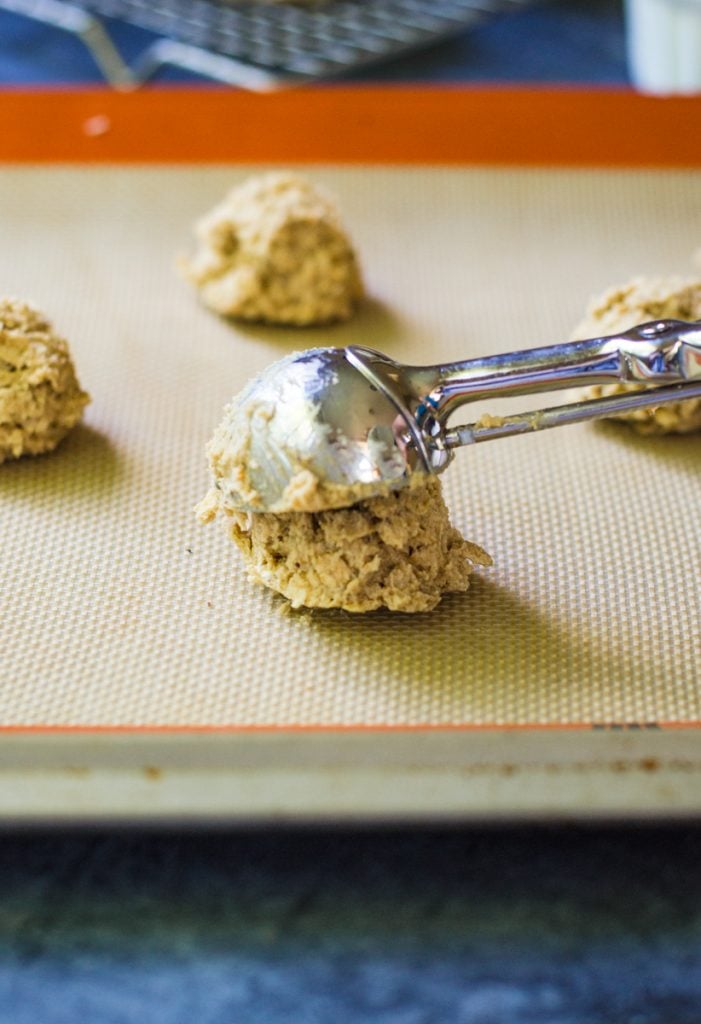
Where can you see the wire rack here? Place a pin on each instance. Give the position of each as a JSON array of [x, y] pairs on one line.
[[265, 45]]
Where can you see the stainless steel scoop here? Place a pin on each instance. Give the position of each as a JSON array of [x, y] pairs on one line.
[[357, 419]]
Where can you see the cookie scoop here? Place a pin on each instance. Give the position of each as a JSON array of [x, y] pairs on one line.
[[329, 427]]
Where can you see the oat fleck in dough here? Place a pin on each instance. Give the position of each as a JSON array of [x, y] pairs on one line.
[[627, 305], [40, 398], [275, 250], [398, 551]]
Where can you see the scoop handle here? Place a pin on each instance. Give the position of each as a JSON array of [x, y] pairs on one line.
[[658, 352], [573, 412]]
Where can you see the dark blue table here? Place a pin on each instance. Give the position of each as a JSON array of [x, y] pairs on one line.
[[551, 926]]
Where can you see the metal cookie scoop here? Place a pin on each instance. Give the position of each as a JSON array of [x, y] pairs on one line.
[[357, 420]]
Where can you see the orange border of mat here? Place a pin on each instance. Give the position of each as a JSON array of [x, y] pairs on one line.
[[349, 124], [353, 124]]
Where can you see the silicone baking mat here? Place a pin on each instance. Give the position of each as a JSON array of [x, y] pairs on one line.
[[120, 611]]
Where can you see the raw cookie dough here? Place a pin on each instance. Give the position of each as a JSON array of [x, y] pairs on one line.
[[627, 305], [275, 250], [398, 551], [40, 398]]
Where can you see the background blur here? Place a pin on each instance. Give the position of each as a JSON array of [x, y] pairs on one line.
[[555, 41]]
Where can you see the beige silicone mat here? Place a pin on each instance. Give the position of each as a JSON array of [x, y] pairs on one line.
[[118, 609]]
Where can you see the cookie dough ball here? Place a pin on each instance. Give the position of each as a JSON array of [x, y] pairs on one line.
[[627, 305], [398, 551], [275, 250], [40, 398]]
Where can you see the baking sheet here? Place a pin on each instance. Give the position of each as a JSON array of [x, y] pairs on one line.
[[119, 610]]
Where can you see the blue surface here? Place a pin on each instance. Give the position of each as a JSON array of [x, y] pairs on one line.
[[566, 41], [554, 926]]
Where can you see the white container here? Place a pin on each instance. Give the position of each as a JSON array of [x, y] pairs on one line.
[[664, 45]]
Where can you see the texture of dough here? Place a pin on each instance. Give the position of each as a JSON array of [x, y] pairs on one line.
[[40, 398], [275, 250], [398, 551], [623, 307]]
